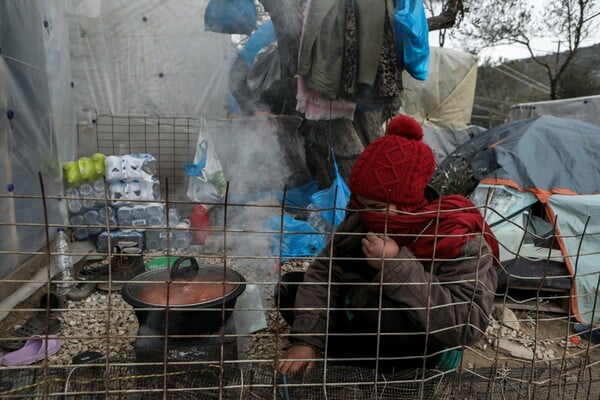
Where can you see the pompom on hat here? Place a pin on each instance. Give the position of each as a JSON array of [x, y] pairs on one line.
[[398, 165]]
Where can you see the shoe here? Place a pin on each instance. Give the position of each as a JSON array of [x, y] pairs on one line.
[[44, 322], [93, 271], [35, 349], [81, 290], [52, 302], [124, 266]]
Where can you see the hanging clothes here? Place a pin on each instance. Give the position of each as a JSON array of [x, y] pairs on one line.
[[322, 46], [372, 77], [319, 99], [347, 52], [316, 106]]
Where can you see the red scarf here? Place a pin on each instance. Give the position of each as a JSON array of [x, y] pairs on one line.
[[455, 215]]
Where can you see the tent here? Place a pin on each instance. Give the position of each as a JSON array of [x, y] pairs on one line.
[[585, 108], [445, 99], [443, 103], [552, 162]]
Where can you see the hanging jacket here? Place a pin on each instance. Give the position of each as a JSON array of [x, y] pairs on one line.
[[321, 53]]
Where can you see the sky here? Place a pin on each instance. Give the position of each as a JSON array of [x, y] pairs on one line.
[[541, 46]]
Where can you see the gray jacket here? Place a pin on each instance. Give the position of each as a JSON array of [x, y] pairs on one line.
[[453, 303]]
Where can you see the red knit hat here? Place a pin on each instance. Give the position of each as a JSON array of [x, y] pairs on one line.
[[399, 164]]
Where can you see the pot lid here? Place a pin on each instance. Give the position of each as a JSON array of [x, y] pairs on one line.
[[185, 283]]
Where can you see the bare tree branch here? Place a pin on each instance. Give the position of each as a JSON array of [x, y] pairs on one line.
[[448, 17]]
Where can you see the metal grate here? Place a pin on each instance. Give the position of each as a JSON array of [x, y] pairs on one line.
[[171, 140]]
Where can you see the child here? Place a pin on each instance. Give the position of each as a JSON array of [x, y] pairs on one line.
[[410, 274]]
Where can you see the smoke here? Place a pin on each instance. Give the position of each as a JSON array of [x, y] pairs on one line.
[[260, 156]]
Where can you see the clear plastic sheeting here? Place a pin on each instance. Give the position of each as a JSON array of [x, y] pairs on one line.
[[505, 201], [64, 62], [147, 57], [578, 220], [36, 124]]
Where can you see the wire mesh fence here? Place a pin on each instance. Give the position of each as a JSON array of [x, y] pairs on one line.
[[108, 346]]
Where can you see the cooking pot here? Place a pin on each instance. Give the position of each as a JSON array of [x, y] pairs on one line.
[[187, 297]]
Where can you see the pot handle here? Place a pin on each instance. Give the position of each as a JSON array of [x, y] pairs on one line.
[[185, 271]]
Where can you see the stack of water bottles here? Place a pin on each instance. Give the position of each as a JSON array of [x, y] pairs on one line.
[[177, 237], [132, 177], [133, 191], [85, 195]]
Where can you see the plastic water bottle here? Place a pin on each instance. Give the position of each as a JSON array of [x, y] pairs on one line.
[[74, 203], [63, 262], [80, 231], [87, 193], [182, 235]]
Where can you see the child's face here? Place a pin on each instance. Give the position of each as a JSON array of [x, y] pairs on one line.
[[375, 205]]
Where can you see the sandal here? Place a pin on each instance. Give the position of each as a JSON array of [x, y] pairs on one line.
[[49, 303], [35, 349], [34, 326]]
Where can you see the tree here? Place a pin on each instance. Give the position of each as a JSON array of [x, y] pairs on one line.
[[348, 138], [568, 22], [578, 81]]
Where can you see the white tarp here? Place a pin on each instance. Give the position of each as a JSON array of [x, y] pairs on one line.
[[443, 103], [445, 99], [36, 124]]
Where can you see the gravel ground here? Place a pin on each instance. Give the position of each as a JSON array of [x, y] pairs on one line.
[[88, 325]]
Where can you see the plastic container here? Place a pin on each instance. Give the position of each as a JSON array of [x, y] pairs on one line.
[[161, 262], [80, 231], [63, 262]]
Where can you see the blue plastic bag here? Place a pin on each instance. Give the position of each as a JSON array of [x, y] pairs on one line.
[[297, 238], [332, 201], [230, 16], [298, 197], [261, 38], [411, 37]]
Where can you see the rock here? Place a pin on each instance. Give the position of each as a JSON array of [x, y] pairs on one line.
[[509, 319], [513, 349]]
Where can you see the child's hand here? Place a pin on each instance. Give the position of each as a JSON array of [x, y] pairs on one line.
[[297, 358], [378, 247]]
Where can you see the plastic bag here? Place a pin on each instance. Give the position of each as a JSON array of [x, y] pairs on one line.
[[331, 203], [326, 209], [411, 37], [230, 16], [265, 71], [297, 238], [298, 197], [206, 179]]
